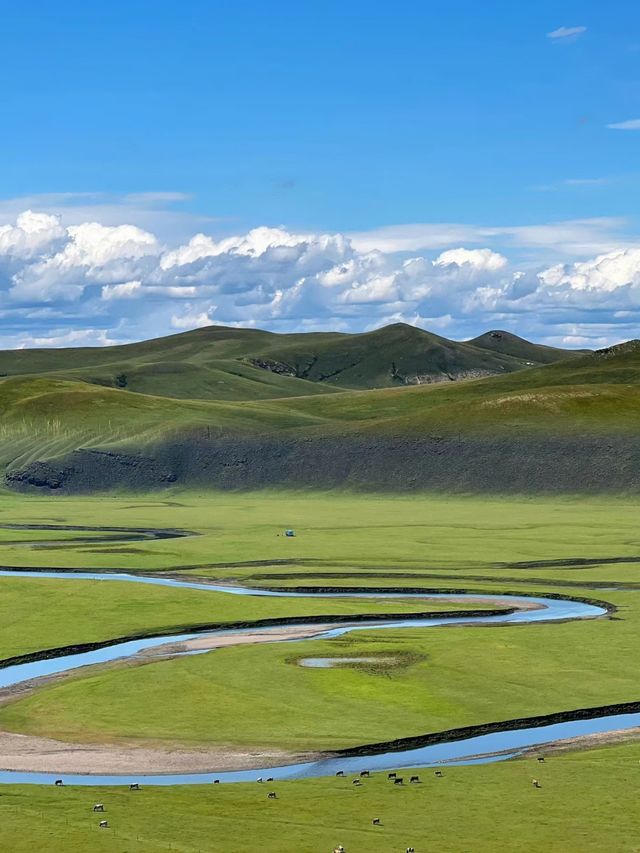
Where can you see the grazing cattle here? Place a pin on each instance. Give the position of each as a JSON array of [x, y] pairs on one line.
[[216, 781], [414, 779], [391, 775], [364, 773], [541, 759], [272, 795], [411, 850], [398, 781], [58, 782], [340, 773], [535, 783], [356, 782], [134, 786], [98, 807], [259, 779], [104, 824], [270, 779], [338, 849], [438, 773], [376, 821]]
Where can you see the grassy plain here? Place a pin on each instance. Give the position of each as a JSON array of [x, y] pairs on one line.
[[39, 613], [587, 804], [453, 676]]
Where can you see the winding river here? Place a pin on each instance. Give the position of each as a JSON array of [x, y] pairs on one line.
[[496, 742]]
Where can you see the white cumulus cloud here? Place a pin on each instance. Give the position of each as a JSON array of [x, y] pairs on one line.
[[483, 260], [193, 319], [603, 274], [95, 283], [32, 233]]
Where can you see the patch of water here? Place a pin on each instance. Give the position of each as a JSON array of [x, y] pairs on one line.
[[328, 663]]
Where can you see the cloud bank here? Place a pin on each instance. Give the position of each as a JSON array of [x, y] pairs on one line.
[[573, 283]]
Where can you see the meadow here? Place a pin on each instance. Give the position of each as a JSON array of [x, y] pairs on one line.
[[587, 803], [443, 677], [54, 405]]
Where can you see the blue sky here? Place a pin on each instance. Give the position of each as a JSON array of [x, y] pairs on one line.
[[412, 128]]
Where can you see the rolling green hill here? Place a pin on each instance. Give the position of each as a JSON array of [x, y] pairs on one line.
[[506, 343], [220, 363], [393, 356], [565, 424]]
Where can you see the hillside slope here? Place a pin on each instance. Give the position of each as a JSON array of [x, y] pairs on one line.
[[393, 356], [220, 363], [506, 343], [570, 426]]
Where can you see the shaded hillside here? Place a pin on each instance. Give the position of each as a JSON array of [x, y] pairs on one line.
[[392, 356], [220, 363], [569, 425]]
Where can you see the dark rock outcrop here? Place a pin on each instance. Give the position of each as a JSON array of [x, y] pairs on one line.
[[441, 463]]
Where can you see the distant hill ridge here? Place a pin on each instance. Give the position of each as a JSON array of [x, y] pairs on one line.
[[223, 363], [571, 425]]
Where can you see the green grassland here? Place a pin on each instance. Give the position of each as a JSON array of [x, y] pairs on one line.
[[457, 677], [221, 363], [587, 804], [48, 415], [32, 609], [337, 531], [445, 676]]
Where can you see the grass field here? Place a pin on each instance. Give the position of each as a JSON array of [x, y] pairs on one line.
[[222, 363], [47, 415], [47, 613], [587, 804], [447, 677]]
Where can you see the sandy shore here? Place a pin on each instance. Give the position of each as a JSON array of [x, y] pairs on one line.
[[45, 755], [572, 744], [218, 641], [505, 603]]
